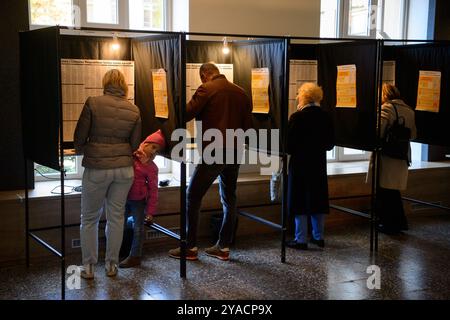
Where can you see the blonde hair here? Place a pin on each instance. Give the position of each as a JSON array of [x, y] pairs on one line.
[[389, 92], [310, 92], [115, 78]]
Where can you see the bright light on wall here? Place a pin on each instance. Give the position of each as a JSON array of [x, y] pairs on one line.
[[225, 49], [115, 45]]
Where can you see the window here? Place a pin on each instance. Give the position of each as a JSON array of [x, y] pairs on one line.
[[72, 165], [331, 155], [51, 12], [147, 14], [385, 19], [391, 17], [348, 154], [329, 22], [358, 18], [120, 14], [102, 11], [164, 164], [74, 169]]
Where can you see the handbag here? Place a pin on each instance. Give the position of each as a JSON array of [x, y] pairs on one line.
[[276, 185], [395, 143]]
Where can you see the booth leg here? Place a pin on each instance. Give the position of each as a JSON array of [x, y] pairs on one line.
[[63, 278], [27, 217]]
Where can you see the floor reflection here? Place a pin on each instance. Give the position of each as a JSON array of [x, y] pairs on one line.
[[413, 266]]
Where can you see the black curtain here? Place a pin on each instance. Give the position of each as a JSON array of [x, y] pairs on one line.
[[354, 128], [262, 54], [12, 166], [432, 128], [206, 51], [40, 95], [95, 48], [302, 51], [152, 53]]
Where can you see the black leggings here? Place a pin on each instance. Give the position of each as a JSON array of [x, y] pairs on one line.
[[390, 209]]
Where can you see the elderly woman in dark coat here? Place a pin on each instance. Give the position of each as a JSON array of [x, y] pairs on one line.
[[310, 135]]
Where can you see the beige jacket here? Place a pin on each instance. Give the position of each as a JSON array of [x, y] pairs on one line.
[[394, 172]]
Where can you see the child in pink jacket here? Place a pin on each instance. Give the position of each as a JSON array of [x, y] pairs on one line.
[[143, 196]]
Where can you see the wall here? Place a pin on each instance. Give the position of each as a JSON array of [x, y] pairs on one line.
[[14, 19], [253, 17]]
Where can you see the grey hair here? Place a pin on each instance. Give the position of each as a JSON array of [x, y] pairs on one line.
[[209, 68]]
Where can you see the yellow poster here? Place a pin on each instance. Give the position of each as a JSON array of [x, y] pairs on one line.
[[346, 86], [260, 90], [429, 91], [160, 94]]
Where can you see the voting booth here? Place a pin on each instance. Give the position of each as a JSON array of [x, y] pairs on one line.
[[60, 68]]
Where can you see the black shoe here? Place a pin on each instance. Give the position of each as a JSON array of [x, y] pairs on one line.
[[320, 243], [296, 245], [386, 230]]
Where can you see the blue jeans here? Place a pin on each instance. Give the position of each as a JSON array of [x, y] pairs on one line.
[[202, 178], [301, 227], [136, 210], [103, 190]]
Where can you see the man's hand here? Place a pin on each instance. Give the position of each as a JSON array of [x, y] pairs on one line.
[[148, 219]]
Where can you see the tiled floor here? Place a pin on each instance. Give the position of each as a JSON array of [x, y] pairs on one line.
[[413, 266]]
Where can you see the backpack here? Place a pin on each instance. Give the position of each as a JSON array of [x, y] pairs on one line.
[[396, 141]]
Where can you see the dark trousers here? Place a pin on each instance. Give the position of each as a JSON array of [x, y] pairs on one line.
[[202, 178], [390, 210]]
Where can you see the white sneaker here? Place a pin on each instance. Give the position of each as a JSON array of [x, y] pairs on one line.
[[111, 269], [87, 271]]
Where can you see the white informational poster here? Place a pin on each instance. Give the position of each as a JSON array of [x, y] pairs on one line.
[[300, 71], [260, 90], [81, 79], [429, 91], [389, 72], [193, 81], [159, 79], [346, 86]]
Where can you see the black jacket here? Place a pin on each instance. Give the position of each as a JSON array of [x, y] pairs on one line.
[[310, 135]]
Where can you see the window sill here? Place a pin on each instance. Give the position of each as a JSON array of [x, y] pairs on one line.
[[44, 189]]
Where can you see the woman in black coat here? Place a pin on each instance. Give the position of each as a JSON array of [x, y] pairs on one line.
[[310, 135]]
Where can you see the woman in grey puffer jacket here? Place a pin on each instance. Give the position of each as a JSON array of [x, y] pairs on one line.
[[107, 133]]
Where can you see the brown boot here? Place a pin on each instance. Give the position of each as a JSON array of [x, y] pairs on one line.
[[130, 262]]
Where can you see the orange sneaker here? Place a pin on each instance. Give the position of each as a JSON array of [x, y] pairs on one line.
[[191, 254], [216, 252]]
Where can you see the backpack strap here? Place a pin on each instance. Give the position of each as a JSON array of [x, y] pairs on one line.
[[397, 118], [396, 112]]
